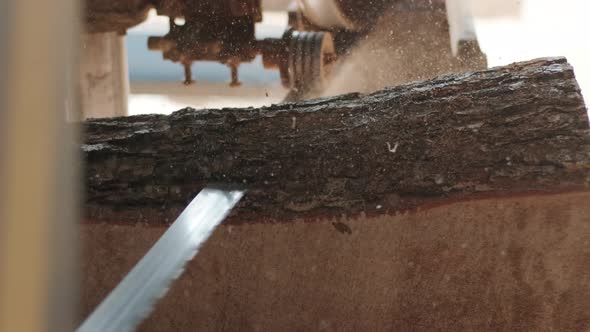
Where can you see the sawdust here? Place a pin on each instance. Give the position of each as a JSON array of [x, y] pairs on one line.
[[404, 46]]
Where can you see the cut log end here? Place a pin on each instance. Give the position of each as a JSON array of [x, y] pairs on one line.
[[504, 131]]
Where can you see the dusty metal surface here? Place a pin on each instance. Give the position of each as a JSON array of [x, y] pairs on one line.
[[224, 32], [220, 31]]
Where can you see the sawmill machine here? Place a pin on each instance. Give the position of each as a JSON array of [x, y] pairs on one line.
[[224, 31]]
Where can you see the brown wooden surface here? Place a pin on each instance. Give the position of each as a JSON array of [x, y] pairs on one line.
[[515, 129], [497, 265]]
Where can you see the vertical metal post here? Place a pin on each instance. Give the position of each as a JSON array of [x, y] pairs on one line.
[[38, 168], [104, 77]]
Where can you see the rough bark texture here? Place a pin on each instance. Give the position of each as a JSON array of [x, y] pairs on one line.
[[519, 128]]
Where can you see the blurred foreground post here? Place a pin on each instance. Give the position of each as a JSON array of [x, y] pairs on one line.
[[38, 168]]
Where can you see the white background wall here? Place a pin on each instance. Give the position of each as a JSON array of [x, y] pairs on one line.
[[535, 28]]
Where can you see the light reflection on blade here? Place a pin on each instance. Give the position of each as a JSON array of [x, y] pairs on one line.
[[133, 299]]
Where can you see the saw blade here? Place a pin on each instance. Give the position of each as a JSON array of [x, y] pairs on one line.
[[134, 298]]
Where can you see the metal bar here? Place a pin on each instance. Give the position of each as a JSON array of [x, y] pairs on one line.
[[133, 299]]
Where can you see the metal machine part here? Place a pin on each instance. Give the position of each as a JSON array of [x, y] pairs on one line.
[[349, 20], [350, 15], [223, 31], [134, 298], [311, 56], [303, 58], [326, 14]]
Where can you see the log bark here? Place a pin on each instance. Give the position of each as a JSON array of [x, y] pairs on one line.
[[504, 131]]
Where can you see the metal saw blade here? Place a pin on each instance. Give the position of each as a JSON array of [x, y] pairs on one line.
[[134, 298]]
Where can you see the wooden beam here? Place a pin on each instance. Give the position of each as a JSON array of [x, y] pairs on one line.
[[509, 130]]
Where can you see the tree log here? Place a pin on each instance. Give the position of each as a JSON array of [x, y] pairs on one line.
[[509, 130]]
